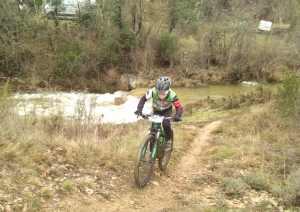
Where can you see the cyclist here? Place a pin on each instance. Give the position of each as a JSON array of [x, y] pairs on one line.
[[162, 100]]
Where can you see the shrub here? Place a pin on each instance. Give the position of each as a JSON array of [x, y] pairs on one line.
[[68, 186], [277, 191], [168, 43], [108, 53], [287, 97], [234, 187], [46, 192], [293, 189], [126, 41], [257, 182], [167, 46], [68, 60]]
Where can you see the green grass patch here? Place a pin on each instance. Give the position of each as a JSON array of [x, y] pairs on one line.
[[68, 186], [222, 152]]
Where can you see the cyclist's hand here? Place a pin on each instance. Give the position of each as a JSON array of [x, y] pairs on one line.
[[138, 113], [176, 118]]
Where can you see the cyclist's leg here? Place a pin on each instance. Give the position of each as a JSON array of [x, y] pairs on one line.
[[166, 126], [152, 125], [167, 123]]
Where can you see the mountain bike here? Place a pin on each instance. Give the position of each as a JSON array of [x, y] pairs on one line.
[[152, 147]]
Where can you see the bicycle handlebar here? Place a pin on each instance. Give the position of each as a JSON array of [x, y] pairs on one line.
[[146, 116]]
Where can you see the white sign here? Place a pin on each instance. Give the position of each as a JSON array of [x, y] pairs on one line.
[[265, 25]]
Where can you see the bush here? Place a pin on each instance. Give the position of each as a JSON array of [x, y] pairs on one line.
[[87, 19], [293, 189], [277, 191], [67, 62], [234, 187], [288, 97], [167, 46], [108, 53], [126, 41], [257, 182]]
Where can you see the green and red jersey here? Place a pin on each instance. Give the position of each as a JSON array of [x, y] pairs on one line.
[[161, 105]]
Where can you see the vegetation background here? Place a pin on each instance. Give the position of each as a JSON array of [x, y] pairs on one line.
[[255, 152], [203, 42]]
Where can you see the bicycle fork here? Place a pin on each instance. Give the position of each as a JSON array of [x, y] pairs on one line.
[[154, 147], [157, 136]]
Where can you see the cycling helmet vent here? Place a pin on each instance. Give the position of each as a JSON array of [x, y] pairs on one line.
[[163, 84]]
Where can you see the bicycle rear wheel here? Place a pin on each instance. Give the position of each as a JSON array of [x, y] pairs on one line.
[[144, 162], [163, 161]]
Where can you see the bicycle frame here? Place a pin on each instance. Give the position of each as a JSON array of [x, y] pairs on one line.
[[152, 147], [157, 131]]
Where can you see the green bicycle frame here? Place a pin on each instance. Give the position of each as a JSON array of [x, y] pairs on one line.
[[157, 131]]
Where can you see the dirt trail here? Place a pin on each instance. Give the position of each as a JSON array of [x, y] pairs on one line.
[[167, 189], [174, 183]]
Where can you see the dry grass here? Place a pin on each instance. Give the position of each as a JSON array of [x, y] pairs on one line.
[[255, 152], [260, 151], [253, 149], [36, 150]]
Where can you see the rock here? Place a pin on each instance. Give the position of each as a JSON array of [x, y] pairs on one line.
[[119, 100], [176, 191], [209, 191], [42, 84], [24, 208], [8, 208], [128, 82], [62, 167], [89, 191], [155, 183]]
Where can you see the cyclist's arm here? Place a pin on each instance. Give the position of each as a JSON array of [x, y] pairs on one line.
[[144, 98], [177, 105]]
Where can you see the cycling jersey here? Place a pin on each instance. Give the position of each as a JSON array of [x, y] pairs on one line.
[[161, 105]]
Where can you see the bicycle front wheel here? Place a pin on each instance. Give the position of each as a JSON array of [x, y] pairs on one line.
[[144, 162], [163, 161]]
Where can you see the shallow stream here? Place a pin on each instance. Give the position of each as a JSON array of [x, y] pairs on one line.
[[95, 108]]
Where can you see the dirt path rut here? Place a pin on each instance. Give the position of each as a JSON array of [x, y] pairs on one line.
[[164, 189]]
